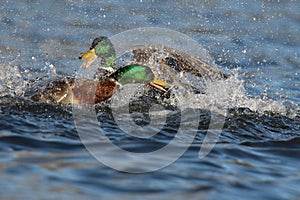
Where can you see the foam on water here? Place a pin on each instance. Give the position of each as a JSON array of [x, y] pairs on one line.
[[230, 94]]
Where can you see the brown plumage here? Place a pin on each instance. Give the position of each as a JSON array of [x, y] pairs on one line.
[[89, 92], [176, 60]]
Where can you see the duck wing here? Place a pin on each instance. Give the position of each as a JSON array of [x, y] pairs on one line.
[[176, 60]]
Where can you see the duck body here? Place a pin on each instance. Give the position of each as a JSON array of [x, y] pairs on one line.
[[69, 90]]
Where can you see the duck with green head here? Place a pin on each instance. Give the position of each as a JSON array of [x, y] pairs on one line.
[[69, 90]]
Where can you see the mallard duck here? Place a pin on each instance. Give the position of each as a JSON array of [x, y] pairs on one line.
[[167, 64], [68, 90]]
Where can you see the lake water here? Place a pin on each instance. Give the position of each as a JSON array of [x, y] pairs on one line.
[[257, 153]]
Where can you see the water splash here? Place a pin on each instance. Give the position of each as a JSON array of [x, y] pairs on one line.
[[15, 82], [231, 94], [11, 81], [228, 93]]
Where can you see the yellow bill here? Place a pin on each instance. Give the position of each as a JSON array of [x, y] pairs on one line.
[[159, 84], [89, 57]]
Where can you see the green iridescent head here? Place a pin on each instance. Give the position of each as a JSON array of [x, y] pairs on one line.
[[100, 48], [138, 74], [133, 74]]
